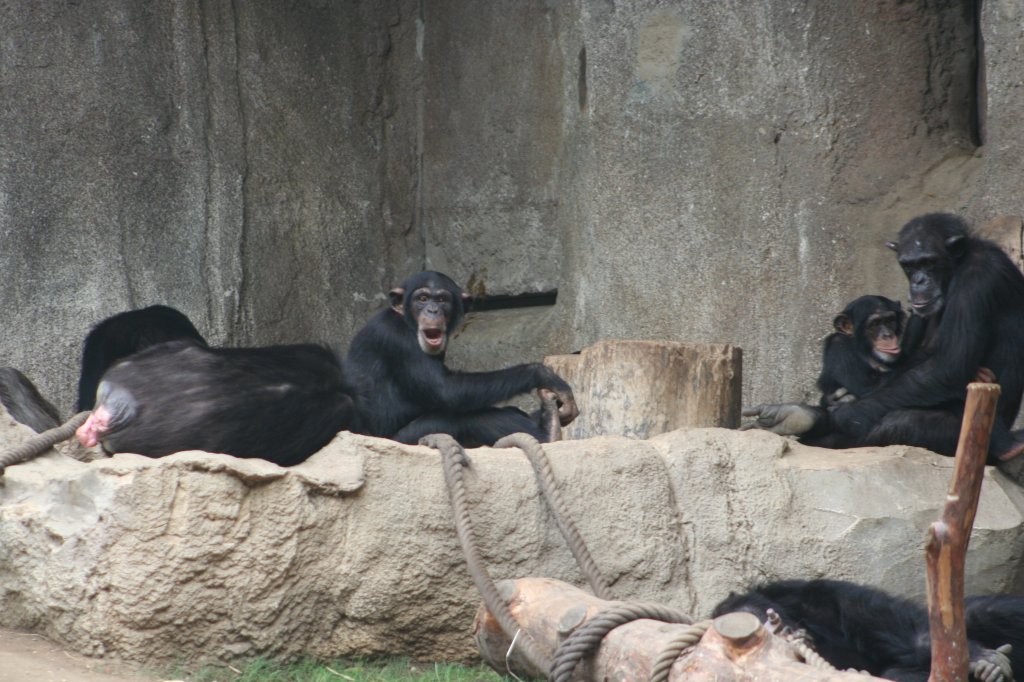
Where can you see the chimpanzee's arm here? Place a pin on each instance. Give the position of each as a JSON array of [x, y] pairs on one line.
[[432, 385], [843, 366]]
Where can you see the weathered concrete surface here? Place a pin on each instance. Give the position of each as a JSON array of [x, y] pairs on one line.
[[720, 172], [723, 181], [165, 153], [202, 556]]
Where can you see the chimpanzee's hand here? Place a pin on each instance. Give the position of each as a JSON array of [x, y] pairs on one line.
[[857, 418], [992, 665], [787, 419], [838, 397], [567, 409]]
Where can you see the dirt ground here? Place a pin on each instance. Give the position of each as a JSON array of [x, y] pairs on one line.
[[31, 658]]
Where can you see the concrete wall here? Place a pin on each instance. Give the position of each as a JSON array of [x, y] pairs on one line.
[[230, 159], [717, 171]]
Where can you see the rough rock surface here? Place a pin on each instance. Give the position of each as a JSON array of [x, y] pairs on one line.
[[203, 556], [712, 172]]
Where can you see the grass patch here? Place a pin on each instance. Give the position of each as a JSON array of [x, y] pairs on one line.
[[310, 670]]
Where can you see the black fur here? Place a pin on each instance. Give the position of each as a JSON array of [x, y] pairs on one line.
[[123, 334], [995, 620], [404, 393], [279, 403], [970, 299], [863, 628], [24, 402]]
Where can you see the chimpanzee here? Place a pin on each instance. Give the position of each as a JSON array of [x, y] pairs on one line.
[[863, 628], [861, 353], [279, 403], [404, 391], [996, 620], [126, 333], [859, 356], [24, 402], [968, 302]]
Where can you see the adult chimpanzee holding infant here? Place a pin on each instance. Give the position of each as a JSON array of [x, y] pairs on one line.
[[968, 302], [283, 403]]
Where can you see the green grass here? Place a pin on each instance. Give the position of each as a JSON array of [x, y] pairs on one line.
[[309, 670]]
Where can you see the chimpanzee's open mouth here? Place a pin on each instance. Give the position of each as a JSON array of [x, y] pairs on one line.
[[432, 340]]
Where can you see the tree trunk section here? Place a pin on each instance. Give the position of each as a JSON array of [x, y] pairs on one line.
[[642, 388]]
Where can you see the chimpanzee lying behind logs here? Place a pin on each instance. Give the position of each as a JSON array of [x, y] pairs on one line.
[[863, 628], [121, 335], [279, 403], [404, 391], [24, 402]]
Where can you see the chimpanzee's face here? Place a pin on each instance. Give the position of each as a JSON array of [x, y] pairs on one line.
[[432, 311], [432, 306], [882, 331], [928, 262]]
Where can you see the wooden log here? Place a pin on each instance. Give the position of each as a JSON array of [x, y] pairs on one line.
[[733, 649], [642, 388], [947, 539]]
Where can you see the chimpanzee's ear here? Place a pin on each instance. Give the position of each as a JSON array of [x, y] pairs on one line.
[[843, 324], [467, 301], [396, 297], [956, 244], [892, 245]]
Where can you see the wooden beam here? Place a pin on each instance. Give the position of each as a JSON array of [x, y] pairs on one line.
[[947, 538]]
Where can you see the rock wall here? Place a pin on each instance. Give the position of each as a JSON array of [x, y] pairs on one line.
[[232, 160], [200, 556], [713, 172]]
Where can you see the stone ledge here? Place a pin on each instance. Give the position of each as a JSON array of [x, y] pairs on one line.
[[199, 556]]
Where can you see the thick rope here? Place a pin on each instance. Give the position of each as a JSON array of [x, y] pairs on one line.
[[676, 647], [588, 636], [797, 639], [454, 458], [810, 656], [40, 443], [556, 503]]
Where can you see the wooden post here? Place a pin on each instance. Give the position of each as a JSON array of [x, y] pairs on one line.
[[642, 388], [737, 647], [947, 539]]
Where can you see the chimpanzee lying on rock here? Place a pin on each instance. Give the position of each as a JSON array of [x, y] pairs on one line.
[[862, 628], [404, 391], [279, 403]]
